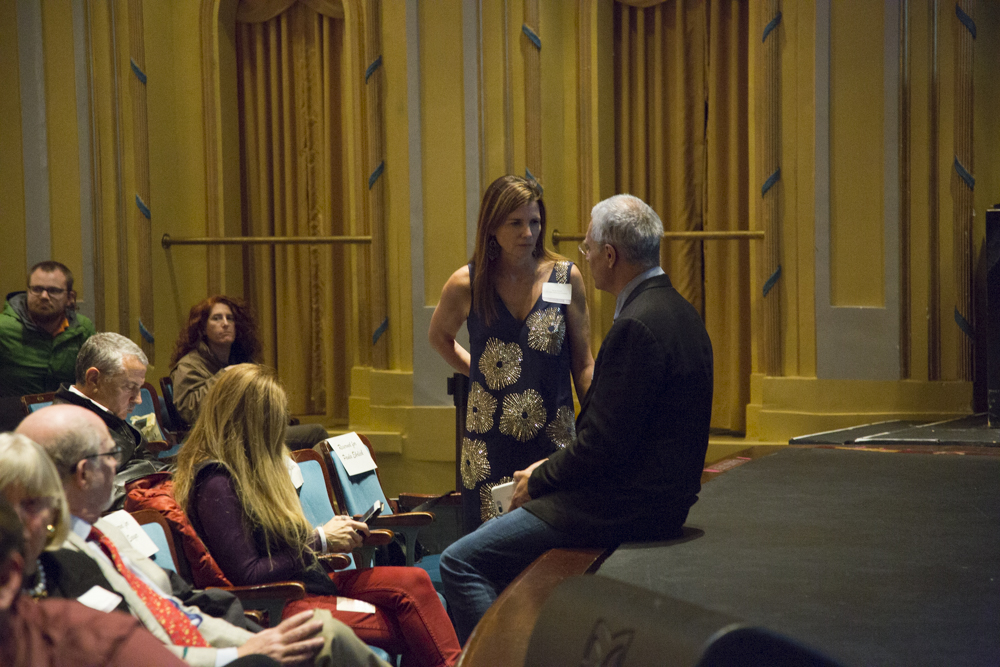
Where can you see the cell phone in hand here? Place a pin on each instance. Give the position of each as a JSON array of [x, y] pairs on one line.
[[372, 513]]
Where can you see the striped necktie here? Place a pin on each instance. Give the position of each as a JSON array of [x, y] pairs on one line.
[[174, 621]]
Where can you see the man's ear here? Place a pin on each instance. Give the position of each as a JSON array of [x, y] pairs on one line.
[[91, 377], [71, 299], [11, 574], [610, 255]]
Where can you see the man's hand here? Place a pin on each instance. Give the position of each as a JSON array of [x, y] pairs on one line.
[[295, 641], [521, 487], [344, 534]]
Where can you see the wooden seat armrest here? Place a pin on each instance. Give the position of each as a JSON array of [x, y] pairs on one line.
[[334, 562], [282, 590], [407, 520], [157, 446], [255, 615], [407, 501], [378, 537]]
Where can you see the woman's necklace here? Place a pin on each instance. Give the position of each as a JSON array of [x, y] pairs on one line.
[[39, 590]]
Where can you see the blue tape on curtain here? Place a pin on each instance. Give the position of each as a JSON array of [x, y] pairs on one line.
[[531, 177], [375, 174], [142, 207], [535, 39], [138, 72], [963, 323], [381, 330], [146, 333], [772, 280], [965, 175], [966, 20], [371, 68], [771, 180], [771, 26]]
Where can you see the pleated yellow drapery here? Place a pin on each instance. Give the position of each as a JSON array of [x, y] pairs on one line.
[[293, 184], [681, 144]]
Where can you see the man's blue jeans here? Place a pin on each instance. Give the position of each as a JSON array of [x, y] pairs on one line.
[[477, 568]]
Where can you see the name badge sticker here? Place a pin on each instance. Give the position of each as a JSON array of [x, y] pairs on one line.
[[100, 599], [557, 292], [352, 453]]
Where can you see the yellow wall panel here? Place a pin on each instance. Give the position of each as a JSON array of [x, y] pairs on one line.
[[856, 154], [13, 267], [443, 144], [61, 131]]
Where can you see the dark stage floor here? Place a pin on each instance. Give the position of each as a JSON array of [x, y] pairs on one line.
[[874, 558]]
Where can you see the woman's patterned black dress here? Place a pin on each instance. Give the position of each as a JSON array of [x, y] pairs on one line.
[[520, 397]]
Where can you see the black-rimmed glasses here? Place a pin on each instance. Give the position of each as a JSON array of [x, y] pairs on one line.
[[53, 291]]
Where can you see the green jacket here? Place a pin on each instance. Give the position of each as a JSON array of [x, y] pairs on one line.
[[31, 360]]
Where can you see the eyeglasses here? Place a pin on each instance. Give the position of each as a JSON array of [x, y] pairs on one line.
[[584, 249], [53, 291], [115, 453]]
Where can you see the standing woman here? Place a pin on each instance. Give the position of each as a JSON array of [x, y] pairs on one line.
[[529, 329]]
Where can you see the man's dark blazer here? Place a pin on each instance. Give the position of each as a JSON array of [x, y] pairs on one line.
[[70, 574], [138, 461], [634, 470]]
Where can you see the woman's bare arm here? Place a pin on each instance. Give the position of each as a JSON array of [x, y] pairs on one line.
[[451, 312], [578, 329]]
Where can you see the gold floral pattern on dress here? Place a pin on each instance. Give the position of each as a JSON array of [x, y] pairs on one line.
[[475, 465], [523, 415], [562, 272], [562, 429], [500, 363], [487, 508], [546, 330], [479, 414]]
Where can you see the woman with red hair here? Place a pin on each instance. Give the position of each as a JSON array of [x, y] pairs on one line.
[[221, 332]]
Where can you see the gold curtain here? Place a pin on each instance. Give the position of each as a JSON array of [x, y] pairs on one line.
[[681, 144], [293, 184]]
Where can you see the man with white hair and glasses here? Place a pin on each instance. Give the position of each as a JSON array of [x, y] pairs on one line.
[[110, 371]]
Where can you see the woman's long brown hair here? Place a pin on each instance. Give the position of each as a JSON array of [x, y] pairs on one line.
[[504, 196], [246, 347]]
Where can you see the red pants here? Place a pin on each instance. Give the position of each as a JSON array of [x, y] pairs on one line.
[[409, 621]]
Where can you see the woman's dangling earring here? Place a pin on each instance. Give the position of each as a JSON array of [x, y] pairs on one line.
[[492, 249], [50, 530]]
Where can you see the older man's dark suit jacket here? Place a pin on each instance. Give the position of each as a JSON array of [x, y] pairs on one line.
[[634, 470], [137, 460]]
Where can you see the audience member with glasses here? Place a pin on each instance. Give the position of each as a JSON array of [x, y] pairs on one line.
[[40, 336], [529, 331], [110, 372]]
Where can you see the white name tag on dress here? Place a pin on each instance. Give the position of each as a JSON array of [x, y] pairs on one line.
[[557, 292], [133, 532], [100, 599], [352, 453]]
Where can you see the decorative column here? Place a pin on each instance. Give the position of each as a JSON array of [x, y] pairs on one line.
[[769, 125], [141, 214], [531, 48], [374, 82], [963, 184]]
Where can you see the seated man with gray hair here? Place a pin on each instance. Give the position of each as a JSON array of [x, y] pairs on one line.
[[634, 470], [110, 371]]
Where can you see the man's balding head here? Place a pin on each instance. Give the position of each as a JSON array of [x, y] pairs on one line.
[[79, 443], [68, 433]]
